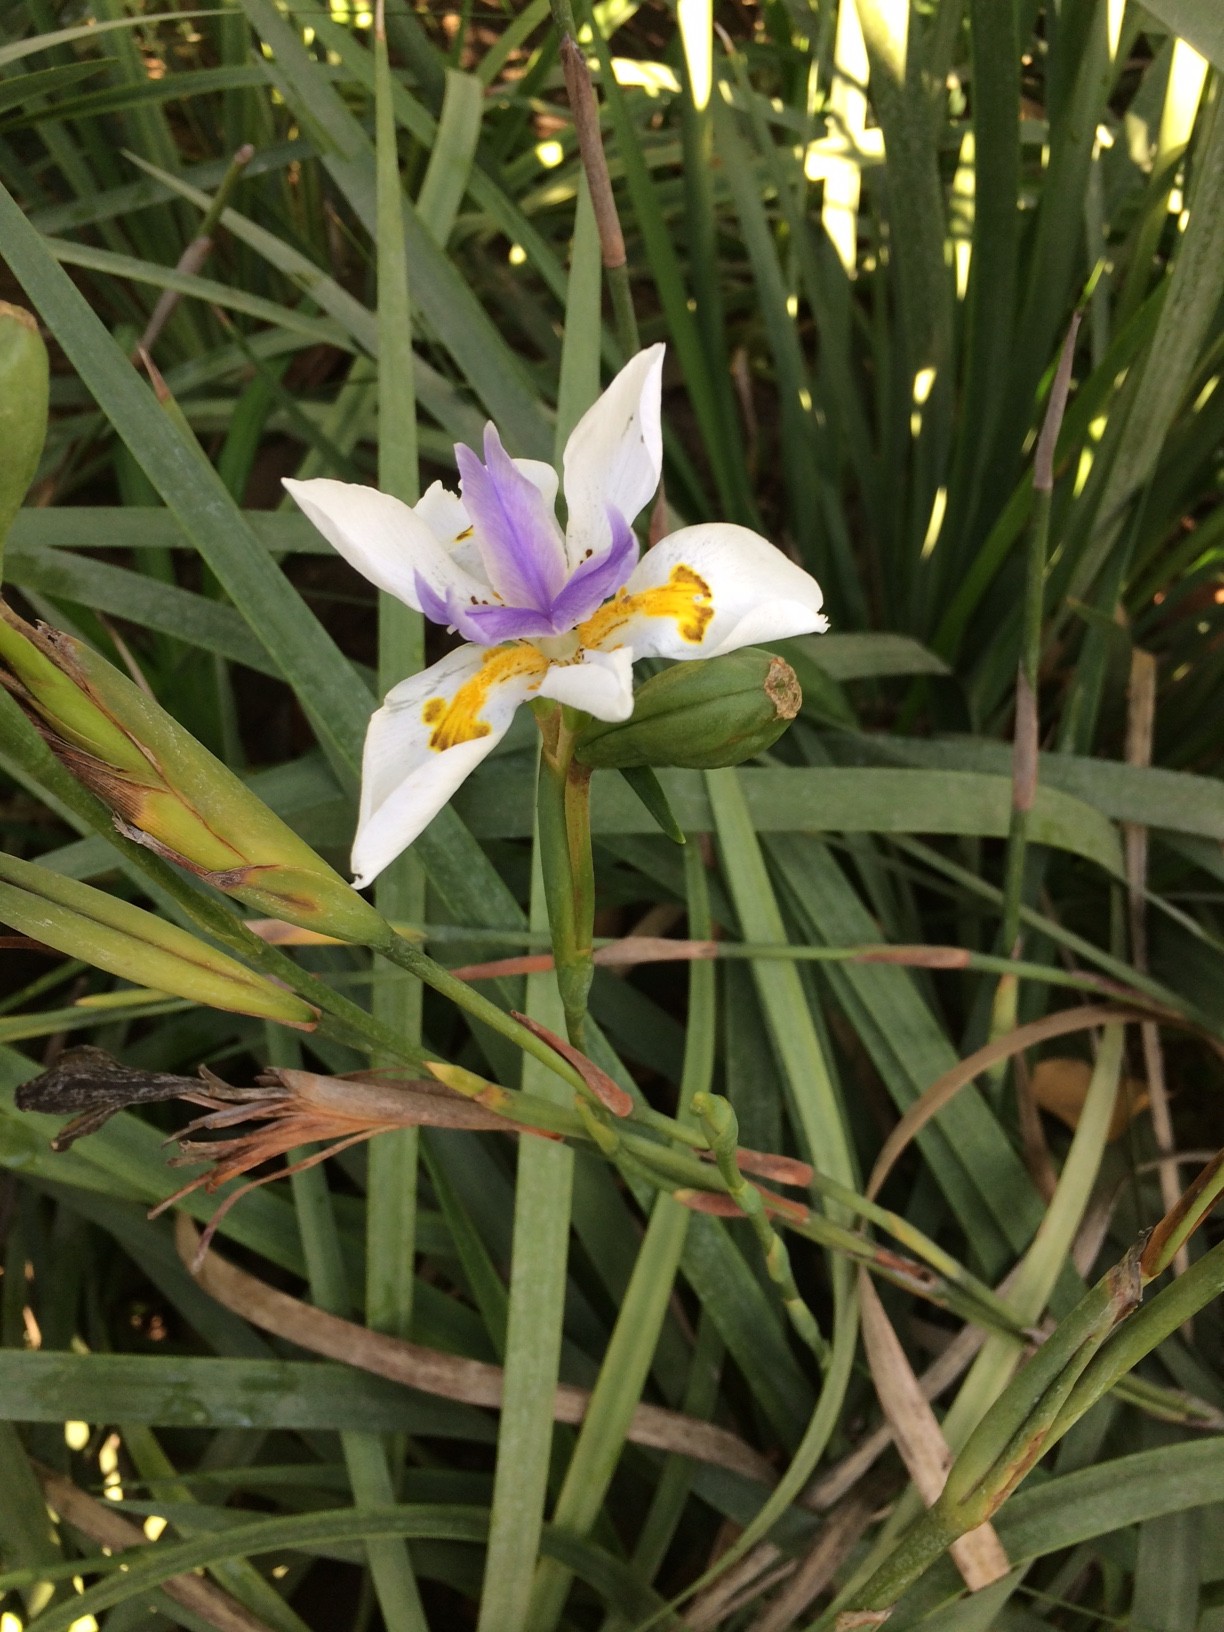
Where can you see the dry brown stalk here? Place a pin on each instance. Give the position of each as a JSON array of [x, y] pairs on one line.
[[450, 1376], [100, 1522]]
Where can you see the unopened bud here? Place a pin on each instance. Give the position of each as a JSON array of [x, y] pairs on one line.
[[123, 939], [24, 391], [720, 711], [167, 791]]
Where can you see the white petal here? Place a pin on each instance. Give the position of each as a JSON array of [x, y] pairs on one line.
[[704, 591], [599, 682], [614, 455], [384, 539], [431, 732], [443, 513], [544, 477]]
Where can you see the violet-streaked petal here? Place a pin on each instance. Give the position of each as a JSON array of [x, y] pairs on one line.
[[597, 579], [518, 537], [490, 625], [435, 607]]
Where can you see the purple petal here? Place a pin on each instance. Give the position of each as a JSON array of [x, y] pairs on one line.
[[485, 623], [490, 625], [434, 606], [600, 577], [518, 537]]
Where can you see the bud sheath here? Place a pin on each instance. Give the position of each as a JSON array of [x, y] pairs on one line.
[[167, 791], [700, 715]]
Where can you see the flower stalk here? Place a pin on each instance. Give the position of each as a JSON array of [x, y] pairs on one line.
[[564, 815]]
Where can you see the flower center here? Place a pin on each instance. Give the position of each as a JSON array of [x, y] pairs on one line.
[[558, 648]]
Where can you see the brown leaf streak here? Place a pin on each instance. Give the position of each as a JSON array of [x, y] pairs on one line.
[[609, 1094]]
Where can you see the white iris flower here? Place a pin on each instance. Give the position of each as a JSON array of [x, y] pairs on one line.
[[544, 613]]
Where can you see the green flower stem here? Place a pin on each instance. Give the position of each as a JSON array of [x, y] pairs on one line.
[[564, 806], [1024, 764], [722, 1131], [406, 955], [1200, 1285], [1026, 1420]]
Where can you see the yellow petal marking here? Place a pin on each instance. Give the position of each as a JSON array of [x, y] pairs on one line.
[[685, 598], [457, 719]]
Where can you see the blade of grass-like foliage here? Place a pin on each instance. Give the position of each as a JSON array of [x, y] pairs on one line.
[[1154, 392], [319, 330], [828, 799], [82, 527], [84, 31], [533, 1337], [980, 1176], [811, 1089], [436, 393], [334, 698], [640, 1315], [191, 1392], [1091, 1502], [306, 1532], [235, 1575], [392, 1183], [1040, 1268], [916, 208], [798, 444], [324, 683], [177, 87], [1086, 67], [13, 92], [444, 301], [993, 268], [1198, 21], [391, 1198], [140, 598], [728, 470], [365, 1454], [545, 1172], [815, 1108], [451, 154], [1145, 795], [749, 1321], [1167, 1571], [28, 1542], [486, 190]]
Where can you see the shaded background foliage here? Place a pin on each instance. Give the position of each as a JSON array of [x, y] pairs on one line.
[[862, 230]]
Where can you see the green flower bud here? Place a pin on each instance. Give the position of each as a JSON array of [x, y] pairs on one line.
[[700, 715], [114, 935], [24, 392], [167, 791]]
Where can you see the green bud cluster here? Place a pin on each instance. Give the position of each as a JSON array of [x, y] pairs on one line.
[[167, 791], [699, 716]]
